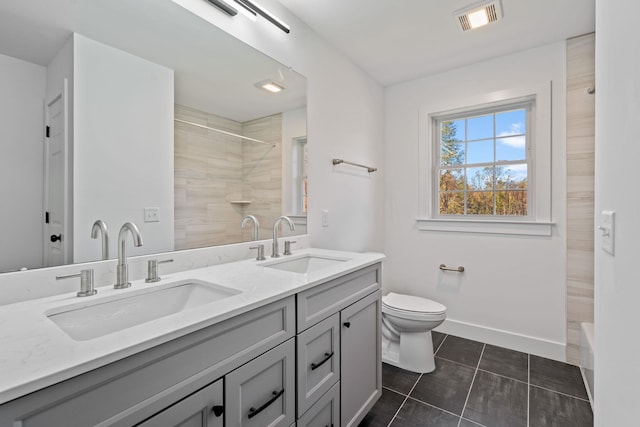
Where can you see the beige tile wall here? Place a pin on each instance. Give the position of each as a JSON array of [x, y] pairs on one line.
[[580, 188], [213, 169]]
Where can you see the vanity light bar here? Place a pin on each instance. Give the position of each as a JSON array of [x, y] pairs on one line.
[[265, 14], [224, 7], [250, 9]]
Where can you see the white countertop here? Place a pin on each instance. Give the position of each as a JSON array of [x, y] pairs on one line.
[[36, 353]]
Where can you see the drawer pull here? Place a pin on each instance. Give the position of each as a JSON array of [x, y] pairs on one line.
[[327, 356], [253, 411], [217, 410], [347, 324]]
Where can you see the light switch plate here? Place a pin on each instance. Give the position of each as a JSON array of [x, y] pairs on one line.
[[325, 218], [608, 231], [151, 214]]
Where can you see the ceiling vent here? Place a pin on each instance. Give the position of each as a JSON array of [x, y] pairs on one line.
[[478, 15]]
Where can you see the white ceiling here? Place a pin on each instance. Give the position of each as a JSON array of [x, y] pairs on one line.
[[399, 40]]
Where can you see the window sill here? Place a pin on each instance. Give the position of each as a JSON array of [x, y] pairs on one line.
[[523, 228]]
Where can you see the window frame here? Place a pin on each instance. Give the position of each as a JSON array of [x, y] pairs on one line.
[[538, 220], [528, 104]]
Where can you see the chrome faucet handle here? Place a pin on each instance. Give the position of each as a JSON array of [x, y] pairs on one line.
[[260, 248], [287, 247], [152, 270], [86, 282]]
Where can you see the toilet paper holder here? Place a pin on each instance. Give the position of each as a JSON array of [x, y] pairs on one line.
[[459, 269]]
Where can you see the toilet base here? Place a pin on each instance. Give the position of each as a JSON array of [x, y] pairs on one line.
[[414, 352]]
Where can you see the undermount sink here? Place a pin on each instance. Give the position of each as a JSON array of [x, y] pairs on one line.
[[305, 264], [100, 319]]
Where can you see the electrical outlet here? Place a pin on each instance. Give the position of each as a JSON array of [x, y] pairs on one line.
[[151, 214], [325, 218]]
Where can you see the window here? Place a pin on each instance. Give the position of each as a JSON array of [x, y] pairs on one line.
[[483, 162], [300, 166], [487, 168]]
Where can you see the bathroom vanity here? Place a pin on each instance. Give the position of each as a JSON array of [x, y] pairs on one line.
[[294, 341]]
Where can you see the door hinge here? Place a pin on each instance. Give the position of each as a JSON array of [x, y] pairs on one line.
[[47, 131], [46, 217]]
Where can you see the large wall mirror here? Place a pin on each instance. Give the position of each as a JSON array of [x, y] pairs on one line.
[[140, 111]]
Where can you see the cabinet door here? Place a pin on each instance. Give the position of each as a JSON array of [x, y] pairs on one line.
[[262, 393], [204, 408], [361, 366], [325, 412], [318, 351]]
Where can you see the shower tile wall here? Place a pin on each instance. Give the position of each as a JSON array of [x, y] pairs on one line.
[[262, 172], [580, 188], [210, 172]]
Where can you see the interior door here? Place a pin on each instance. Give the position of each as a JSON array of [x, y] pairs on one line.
[[55, 164]]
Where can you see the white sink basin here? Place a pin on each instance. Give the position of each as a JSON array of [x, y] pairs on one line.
[[305, 264], [100, 319]]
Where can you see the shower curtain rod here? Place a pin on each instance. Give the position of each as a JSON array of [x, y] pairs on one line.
[[223, 131]]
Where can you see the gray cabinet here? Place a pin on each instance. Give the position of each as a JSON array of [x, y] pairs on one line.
[[325, 412], [262, 392], [204, 408], [318, 366], [240, 372], [338, 324], [135, 388], [361, 363]]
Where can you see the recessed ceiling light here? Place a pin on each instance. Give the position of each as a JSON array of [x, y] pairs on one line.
[[478, 14], [270, 86]]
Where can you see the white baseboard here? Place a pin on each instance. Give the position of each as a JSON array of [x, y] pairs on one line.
[[527, 344]]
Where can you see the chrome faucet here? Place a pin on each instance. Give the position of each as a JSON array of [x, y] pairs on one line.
[[274, 246], [100, 227], [122, 278], [256, 225]]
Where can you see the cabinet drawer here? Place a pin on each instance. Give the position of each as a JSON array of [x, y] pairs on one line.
[[204, 408], [325, 412], [318, 350], [262, 392], [135, 388], [324, 300]]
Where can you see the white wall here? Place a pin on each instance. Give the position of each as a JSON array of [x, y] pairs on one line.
[[617, 280], [345, 120], [513, 290], [22, 85], [124, 109]]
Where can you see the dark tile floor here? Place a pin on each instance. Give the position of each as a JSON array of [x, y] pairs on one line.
[[478, 384]]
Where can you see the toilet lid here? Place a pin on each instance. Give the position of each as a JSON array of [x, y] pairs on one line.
[[412, 303]]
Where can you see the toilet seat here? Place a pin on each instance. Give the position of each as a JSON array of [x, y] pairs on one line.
[[411, 306]]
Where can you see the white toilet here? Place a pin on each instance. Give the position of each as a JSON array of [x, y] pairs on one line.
[[407, 322]]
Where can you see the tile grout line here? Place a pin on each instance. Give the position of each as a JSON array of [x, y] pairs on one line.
[[471, 386], [404, 401], [528, 388], [438, 349], [560, 393]]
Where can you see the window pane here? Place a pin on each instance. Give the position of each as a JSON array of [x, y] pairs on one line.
[[452, 203], [511, 203], [451, 153], [480, 203], [512, 148], [452, 130], [511, 177], [480, 178], [451, 179], [480, 151], [511, 123], [480, 127]]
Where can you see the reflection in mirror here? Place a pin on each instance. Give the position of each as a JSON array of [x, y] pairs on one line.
[[139, 111]]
